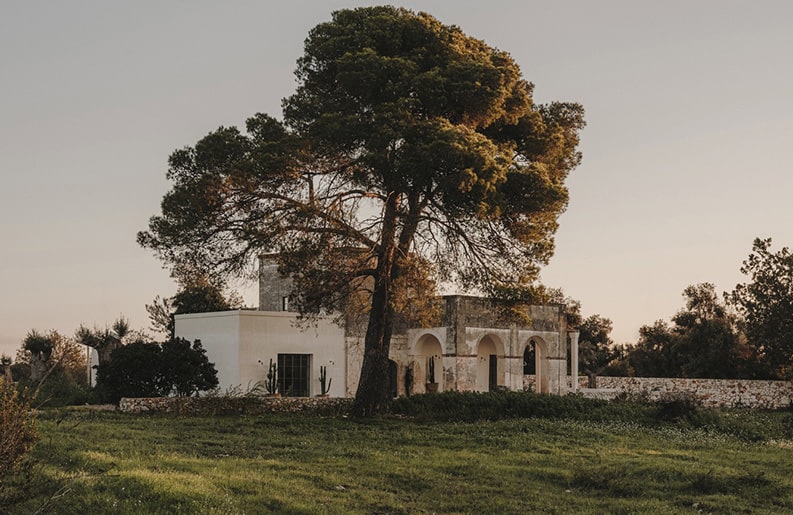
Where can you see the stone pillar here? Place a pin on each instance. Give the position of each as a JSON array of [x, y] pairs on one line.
[[573, 359], [515, 362]]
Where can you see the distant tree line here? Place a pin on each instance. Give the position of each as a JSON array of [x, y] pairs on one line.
[[55, 369], [745, 334]]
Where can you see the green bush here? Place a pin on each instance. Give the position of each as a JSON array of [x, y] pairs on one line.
[[677, 407], [471, 406], [185, 368], [155, 370], [60, 389], [683, 411], [131, 372]]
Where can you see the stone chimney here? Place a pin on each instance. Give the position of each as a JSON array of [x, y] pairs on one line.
[[274, 290]]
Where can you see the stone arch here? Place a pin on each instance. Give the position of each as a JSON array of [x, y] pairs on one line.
[[489, 363], [540, 362], [428, 347]]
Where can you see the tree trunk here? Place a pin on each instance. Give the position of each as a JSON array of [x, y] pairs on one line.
[[38, 367], [592, 379], [373, 396], [104, 353]]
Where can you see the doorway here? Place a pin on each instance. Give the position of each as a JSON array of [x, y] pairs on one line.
[[489, 368], [492, 373]]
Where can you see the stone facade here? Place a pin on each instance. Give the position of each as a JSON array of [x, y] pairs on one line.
[[473, 348], [727, 393], [273, 289], [477, 349]]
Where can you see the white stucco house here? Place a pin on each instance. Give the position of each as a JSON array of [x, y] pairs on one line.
[[471, 349]]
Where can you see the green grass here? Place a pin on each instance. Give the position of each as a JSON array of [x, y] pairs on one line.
[[99, 462]]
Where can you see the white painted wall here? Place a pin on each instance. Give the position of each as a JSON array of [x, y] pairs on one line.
[[219, 333], [236, 342], [91, 362]]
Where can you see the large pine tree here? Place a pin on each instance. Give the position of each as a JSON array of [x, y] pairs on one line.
[[410, 151]]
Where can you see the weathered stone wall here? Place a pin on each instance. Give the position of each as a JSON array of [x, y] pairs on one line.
[[272, 287], [729, 393], [355, 349], [481, 312], [236, 405]]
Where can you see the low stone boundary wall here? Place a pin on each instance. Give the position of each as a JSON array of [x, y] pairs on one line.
[[236, 405], [726, 393]]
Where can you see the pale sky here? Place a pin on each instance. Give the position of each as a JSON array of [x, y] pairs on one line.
[[689, 106]]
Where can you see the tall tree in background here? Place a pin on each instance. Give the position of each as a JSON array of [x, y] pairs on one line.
[[766, 304], [409, 150], [49, 352], [708, 342], [37, 350], [106, 340], [196, 294], [652, 354], [703, 341], [596, 347]]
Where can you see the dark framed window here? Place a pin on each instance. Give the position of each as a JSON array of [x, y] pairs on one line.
[[294, 375]]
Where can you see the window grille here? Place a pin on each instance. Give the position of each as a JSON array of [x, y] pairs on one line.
[[294, 375]]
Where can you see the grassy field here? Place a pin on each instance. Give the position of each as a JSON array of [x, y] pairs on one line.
[[100, 462]]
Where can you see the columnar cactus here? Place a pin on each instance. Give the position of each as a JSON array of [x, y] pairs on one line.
[[272, 378], [324, 382], [431, 370]]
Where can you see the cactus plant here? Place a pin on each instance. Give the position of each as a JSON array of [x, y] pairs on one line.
[[431, 370], [272, 378], [431, 386], [324, 382]]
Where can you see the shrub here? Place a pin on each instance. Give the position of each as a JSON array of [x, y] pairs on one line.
[[787, 425], [133, 371], [471, 406], [186, 369], [154, 370], [17, 428], [62, 389], [677, 407]]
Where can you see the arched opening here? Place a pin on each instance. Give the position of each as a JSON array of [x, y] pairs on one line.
[[529, 360], [488, 367], [534, 361], [429, 364]]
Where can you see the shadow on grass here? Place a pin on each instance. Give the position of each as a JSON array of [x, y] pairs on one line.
[[619, 480]]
